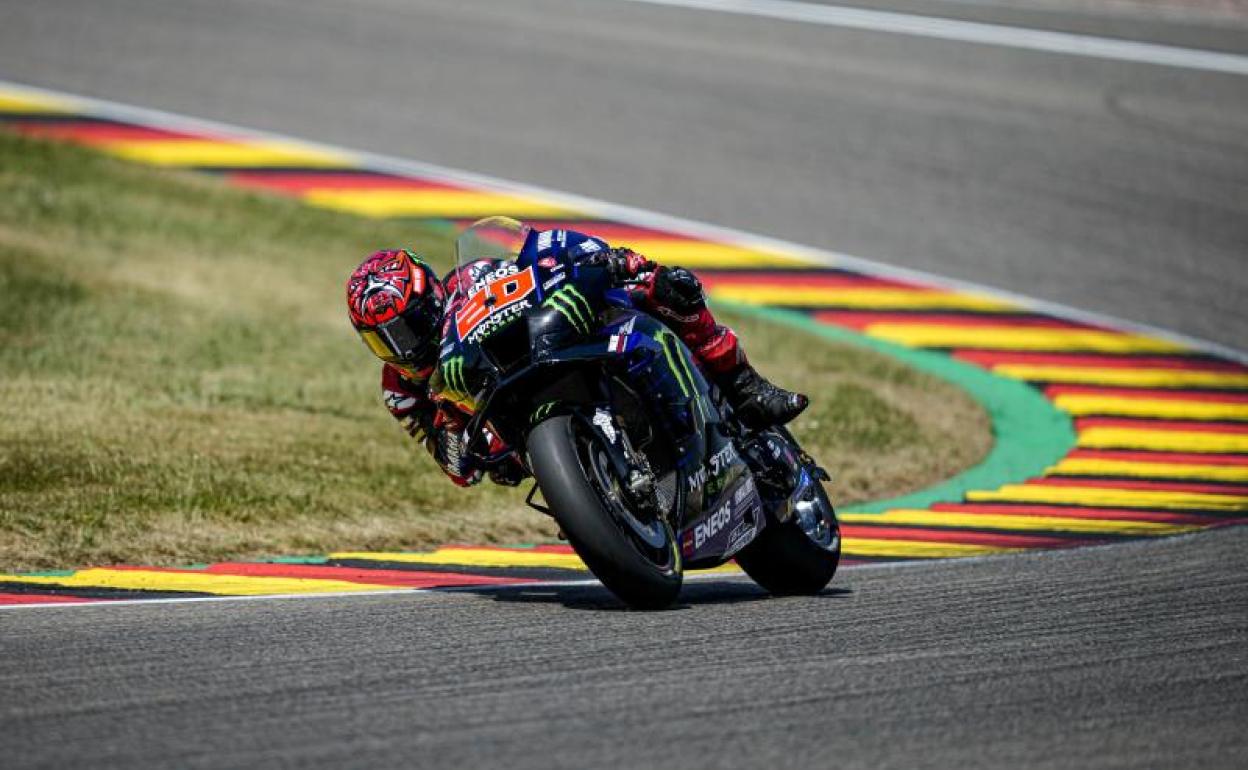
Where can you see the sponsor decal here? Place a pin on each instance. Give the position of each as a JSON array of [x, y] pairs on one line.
[[398, 402], [744, 491], [573, 306], [720, 461], [665, 311], [696, 479], [554, 279], [604, 422], [453, 375], [547, 262], [543, 240], [686, 546], [497, 321], [618, 343], [590, 246], [724, 458], [676, 362], [740, 536], [712, 526], [498, 300], [542, 411]]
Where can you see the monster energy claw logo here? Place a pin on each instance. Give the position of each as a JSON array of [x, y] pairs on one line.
[[676, 362], [453, 374], [573, 306], [542, 411]]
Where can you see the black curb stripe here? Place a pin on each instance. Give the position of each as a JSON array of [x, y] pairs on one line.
[[64, 117], [31, 589], [344, 171], [1233, 428], [1178, 390], [1160, 479], [463, 570]]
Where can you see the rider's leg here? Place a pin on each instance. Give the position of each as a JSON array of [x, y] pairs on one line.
[[675, 296]]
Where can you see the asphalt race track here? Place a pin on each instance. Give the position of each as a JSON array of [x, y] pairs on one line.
[[1127, 657], [1114, 187]]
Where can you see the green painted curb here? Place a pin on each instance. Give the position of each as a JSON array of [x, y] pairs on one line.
[[1030, 434]]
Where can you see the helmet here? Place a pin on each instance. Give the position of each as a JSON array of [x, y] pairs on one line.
[[396, 303]]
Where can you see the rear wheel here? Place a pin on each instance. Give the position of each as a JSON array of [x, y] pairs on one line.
[[798, 556], [636, 557]]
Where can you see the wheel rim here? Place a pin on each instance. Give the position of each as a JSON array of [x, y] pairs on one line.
[[815, 516], [652, 539]]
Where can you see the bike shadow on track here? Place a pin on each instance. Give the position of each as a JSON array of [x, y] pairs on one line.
[[595, 597]]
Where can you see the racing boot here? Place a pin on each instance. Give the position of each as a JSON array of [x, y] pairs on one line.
[[758, 403]]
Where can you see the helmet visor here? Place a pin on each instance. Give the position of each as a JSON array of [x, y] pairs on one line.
[[405, 339]]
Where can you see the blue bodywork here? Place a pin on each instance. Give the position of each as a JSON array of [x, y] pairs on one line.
[[573, 317]]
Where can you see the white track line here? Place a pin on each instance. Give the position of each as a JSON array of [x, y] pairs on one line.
[[1047, 41]]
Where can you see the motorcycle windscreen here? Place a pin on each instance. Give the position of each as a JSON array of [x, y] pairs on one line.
[[490, 238]]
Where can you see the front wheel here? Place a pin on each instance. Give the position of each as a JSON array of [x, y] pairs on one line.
[[635, 557], [798, 556]]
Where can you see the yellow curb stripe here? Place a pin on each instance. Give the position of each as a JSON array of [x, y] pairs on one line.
[[228, 154], [916, 549], [707, 254], [197, 582], [874, 298], [1151, 407], [1095, 467], [1016, 523], [1111, 498], [471, 557], [13, 103], [1020, 338], [449, 204], [1160, 378], [1162, 440]]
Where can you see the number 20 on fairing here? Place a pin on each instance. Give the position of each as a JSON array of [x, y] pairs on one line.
[[494, 297]]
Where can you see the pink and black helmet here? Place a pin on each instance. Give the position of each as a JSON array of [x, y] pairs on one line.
[[396, 303]]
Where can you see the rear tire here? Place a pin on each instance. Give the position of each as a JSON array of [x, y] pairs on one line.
[[643, 576], [785, 561]]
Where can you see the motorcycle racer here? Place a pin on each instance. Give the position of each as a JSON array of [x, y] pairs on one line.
[[397, 305]]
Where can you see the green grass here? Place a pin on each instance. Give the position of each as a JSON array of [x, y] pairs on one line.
[[178, 382]]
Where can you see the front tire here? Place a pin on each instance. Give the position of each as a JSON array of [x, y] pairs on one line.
[[796, 557], [644, 574]]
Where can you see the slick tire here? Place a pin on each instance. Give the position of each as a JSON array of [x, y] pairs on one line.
[[785, 562], [601, 542]]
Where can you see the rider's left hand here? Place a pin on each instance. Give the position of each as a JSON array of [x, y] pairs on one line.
[[623, 263]]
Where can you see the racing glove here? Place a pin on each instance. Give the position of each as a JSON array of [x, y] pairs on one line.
[[676, 289], [622, 263]]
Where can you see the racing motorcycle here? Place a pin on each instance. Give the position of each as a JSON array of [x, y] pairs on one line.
[[637, 457]]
